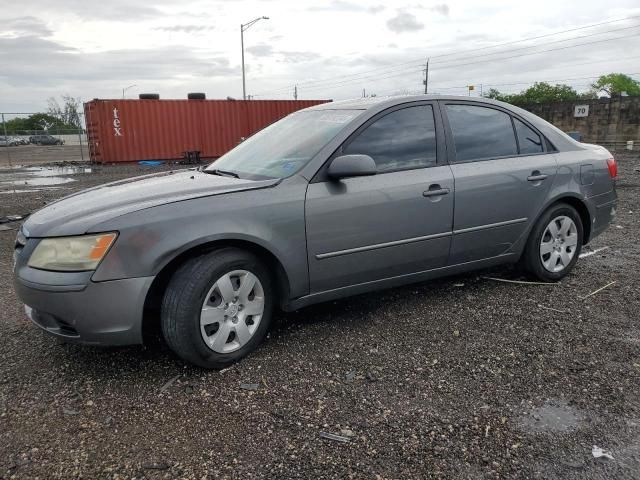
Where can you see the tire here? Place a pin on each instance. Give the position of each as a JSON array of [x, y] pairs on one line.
[[235, 332], [562, 250]]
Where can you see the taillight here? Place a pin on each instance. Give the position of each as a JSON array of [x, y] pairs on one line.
[[613, 168]]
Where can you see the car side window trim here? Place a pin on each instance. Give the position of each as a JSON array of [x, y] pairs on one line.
[[451, 151], [515, 134], [321, 174]]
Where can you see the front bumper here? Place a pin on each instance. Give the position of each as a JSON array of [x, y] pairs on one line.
[[98, 313]]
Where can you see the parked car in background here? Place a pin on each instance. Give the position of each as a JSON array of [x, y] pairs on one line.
[[335, 200], [22, 140], [8, 141], [45, 140]]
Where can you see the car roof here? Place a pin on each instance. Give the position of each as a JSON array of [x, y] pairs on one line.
[[389, 101]]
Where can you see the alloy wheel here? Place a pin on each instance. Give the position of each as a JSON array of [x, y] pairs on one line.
[[558, 244], [232, 311]]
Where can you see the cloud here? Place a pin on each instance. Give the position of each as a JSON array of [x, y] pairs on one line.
[[185, 28], [286, 56], [347, 6], [404, 22], [298, 57], [54, 64], [441, 8], [260, 50], [24, 27], [97, 47], [376, 9], [121, 10]]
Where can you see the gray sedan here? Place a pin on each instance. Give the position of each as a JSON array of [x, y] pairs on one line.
[[335, 200]]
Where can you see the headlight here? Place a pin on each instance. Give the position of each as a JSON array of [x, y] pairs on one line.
[[71, 254]]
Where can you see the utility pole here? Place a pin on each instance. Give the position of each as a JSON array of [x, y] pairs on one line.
[[295, 92], [426, 78], [244, 85], [243, 28]]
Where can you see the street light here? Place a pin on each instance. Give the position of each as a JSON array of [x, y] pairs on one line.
[[127, 88], [243, 28]]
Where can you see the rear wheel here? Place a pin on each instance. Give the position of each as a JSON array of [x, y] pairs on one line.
[[554, 243], [217, 307]]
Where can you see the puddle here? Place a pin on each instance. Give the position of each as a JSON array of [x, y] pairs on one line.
[[38, 182], [42, 178], [552, 417], [27, 190]]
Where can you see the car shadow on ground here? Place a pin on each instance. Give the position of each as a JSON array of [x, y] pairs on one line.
[[356, 312]]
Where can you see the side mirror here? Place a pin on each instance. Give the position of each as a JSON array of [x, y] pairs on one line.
[[352, 166]]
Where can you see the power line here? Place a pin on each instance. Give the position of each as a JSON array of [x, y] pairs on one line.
[[395, 67], [543, 51], [347, 82], [414, 68], [543, 44], [538, 37], [485, 83], [491, 84]]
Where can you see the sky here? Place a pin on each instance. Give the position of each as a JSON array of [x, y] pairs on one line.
[[331, 49]]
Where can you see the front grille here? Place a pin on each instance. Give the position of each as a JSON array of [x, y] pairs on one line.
[[66, 328]]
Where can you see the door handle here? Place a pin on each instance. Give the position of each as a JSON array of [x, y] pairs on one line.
[[435, 191], [536, 176]]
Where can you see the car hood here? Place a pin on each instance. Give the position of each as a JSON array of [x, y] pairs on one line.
[[77, 213]]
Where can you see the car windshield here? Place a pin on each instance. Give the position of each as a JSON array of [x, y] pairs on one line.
[[283, 148]]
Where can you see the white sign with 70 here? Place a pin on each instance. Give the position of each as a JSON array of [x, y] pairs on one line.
[[581, 111]]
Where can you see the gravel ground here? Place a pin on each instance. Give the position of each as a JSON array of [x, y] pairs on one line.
[[458, 378]]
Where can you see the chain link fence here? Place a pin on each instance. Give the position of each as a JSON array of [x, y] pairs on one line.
[[28, 138]]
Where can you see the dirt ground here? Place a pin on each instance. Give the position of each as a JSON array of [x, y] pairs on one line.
[[463, 377], [40, 154]]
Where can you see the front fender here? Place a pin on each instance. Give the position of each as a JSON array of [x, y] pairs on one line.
[[271, 218]]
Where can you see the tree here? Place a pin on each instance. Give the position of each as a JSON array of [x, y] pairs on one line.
[[543, 92], [495, 94], [540, 92], [69, 113], [38, 122], [614, 84]]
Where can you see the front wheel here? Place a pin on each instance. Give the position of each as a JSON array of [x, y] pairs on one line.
[[554, 243], [217, 307]]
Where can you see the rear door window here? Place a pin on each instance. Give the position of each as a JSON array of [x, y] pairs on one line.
[[529, 141], [481, 133]]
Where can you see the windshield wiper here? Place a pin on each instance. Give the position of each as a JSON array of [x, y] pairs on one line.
[[224, 173]]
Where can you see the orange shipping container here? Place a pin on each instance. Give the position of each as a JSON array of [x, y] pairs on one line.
[[133, 130]]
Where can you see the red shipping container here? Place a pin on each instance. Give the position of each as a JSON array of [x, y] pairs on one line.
[[133, 130]]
